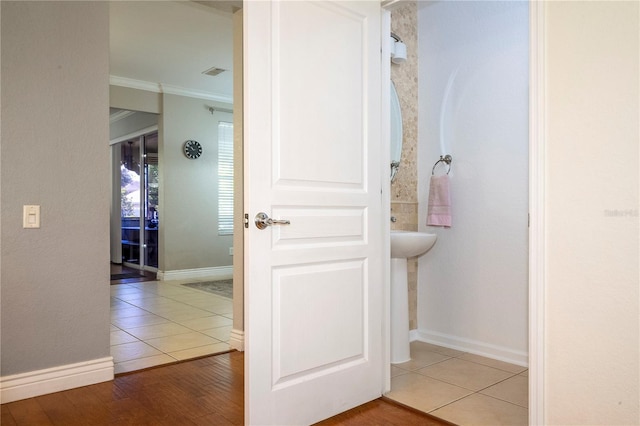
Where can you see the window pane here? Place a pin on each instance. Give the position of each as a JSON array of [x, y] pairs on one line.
[[225, 178]]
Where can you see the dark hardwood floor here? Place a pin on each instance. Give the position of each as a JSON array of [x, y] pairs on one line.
[[383, 412], [205, 391]]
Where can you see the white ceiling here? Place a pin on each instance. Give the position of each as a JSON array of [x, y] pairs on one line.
[[172, 43]]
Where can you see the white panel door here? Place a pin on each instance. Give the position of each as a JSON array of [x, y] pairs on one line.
[[313, 292]]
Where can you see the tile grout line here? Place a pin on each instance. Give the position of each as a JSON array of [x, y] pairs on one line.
[[451, 402], [500, 399]]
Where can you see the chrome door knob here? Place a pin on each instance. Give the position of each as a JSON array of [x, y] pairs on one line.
[[262, 221]]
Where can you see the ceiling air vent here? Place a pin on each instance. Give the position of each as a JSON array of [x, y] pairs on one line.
[[213, 71]]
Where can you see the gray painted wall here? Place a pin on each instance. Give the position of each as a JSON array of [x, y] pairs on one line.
[[135, 99], [189, 188], [55, 98], [188, 209]]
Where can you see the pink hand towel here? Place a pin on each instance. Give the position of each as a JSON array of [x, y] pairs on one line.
[[439, 208]]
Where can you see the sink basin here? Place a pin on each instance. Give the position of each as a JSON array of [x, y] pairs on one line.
[[405, 244]]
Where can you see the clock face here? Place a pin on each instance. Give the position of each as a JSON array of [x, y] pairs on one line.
[[192, 149]]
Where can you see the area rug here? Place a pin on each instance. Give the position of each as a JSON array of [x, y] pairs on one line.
[[222, 288]]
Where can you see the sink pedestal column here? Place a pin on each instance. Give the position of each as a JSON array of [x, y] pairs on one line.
[[399, 312], [404, 244]]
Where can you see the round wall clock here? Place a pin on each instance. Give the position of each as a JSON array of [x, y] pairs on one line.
[[192, 149]]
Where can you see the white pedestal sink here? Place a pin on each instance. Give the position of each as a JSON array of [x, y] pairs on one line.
[[404, 244]]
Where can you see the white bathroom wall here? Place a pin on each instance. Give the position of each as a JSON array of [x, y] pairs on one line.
[[473, 98]]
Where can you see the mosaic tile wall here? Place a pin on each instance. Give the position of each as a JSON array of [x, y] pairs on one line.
[[405, 77], [404, 190]]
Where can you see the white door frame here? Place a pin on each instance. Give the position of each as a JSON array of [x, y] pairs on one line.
[[537, 167], [385, 129]]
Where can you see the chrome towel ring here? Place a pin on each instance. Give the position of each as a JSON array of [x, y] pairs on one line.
[[443, 159]]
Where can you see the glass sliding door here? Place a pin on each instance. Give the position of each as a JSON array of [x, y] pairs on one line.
[[151, 220], [130, 201], [139, 201]]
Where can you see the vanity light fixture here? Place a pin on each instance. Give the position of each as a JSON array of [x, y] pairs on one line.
[[398, 50]]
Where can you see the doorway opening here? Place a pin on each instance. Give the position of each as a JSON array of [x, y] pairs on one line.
[[179, 223], [470, 324], [185, 313]]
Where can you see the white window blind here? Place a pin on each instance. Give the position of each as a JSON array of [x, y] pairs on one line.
[[225, 178]]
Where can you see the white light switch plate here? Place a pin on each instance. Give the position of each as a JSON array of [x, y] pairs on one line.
[[31, 216]]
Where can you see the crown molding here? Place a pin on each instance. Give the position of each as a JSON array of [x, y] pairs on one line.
[[168, 89], [131, 83], [120, 115], [181, 91]]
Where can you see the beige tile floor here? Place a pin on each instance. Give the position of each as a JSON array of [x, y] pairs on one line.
[[158, 322], [460, 387]]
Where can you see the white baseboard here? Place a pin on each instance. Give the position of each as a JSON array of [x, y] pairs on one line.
[[488, 350], [216, 272], [413, 335], [55, 379], [236, 340]]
